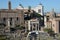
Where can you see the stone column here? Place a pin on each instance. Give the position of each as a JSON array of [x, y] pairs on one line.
[[56, 27], [8, 22], [36, 26], [13, 23], [7, 29]]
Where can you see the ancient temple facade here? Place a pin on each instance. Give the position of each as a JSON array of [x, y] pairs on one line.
[[11, 17], [53, 21]]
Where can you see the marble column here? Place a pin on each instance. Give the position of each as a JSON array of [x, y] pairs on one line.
[[8, 25], [35, 26], [56, 28], [13, 23], [8, 22]]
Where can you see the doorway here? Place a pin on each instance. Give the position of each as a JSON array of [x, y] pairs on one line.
[[59, 26]]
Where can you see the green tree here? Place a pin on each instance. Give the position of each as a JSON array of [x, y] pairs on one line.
[[2, 37], [20, 27], [49, 31]]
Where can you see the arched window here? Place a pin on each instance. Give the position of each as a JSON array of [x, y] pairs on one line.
[[17, 18], [10, 21], [4, 19]]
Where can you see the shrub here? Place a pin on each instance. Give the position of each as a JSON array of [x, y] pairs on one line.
[[50, 32]]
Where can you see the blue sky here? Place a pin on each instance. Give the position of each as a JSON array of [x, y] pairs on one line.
[[48, 4]]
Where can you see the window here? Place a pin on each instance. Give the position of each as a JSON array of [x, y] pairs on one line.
[[39, 10], [34, 25], [31, 28], [10, 21], [53, 25], [17, 18], [41, 18], [4, 19], [47, 18], [39, 28]]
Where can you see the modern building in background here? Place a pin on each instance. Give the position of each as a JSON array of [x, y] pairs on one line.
[[38, 9]]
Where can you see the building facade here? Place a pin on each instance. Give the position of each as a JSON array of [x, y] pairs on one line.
[[38, 9], [27, 14], [53, 21], [11, 17], [33, 24]]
